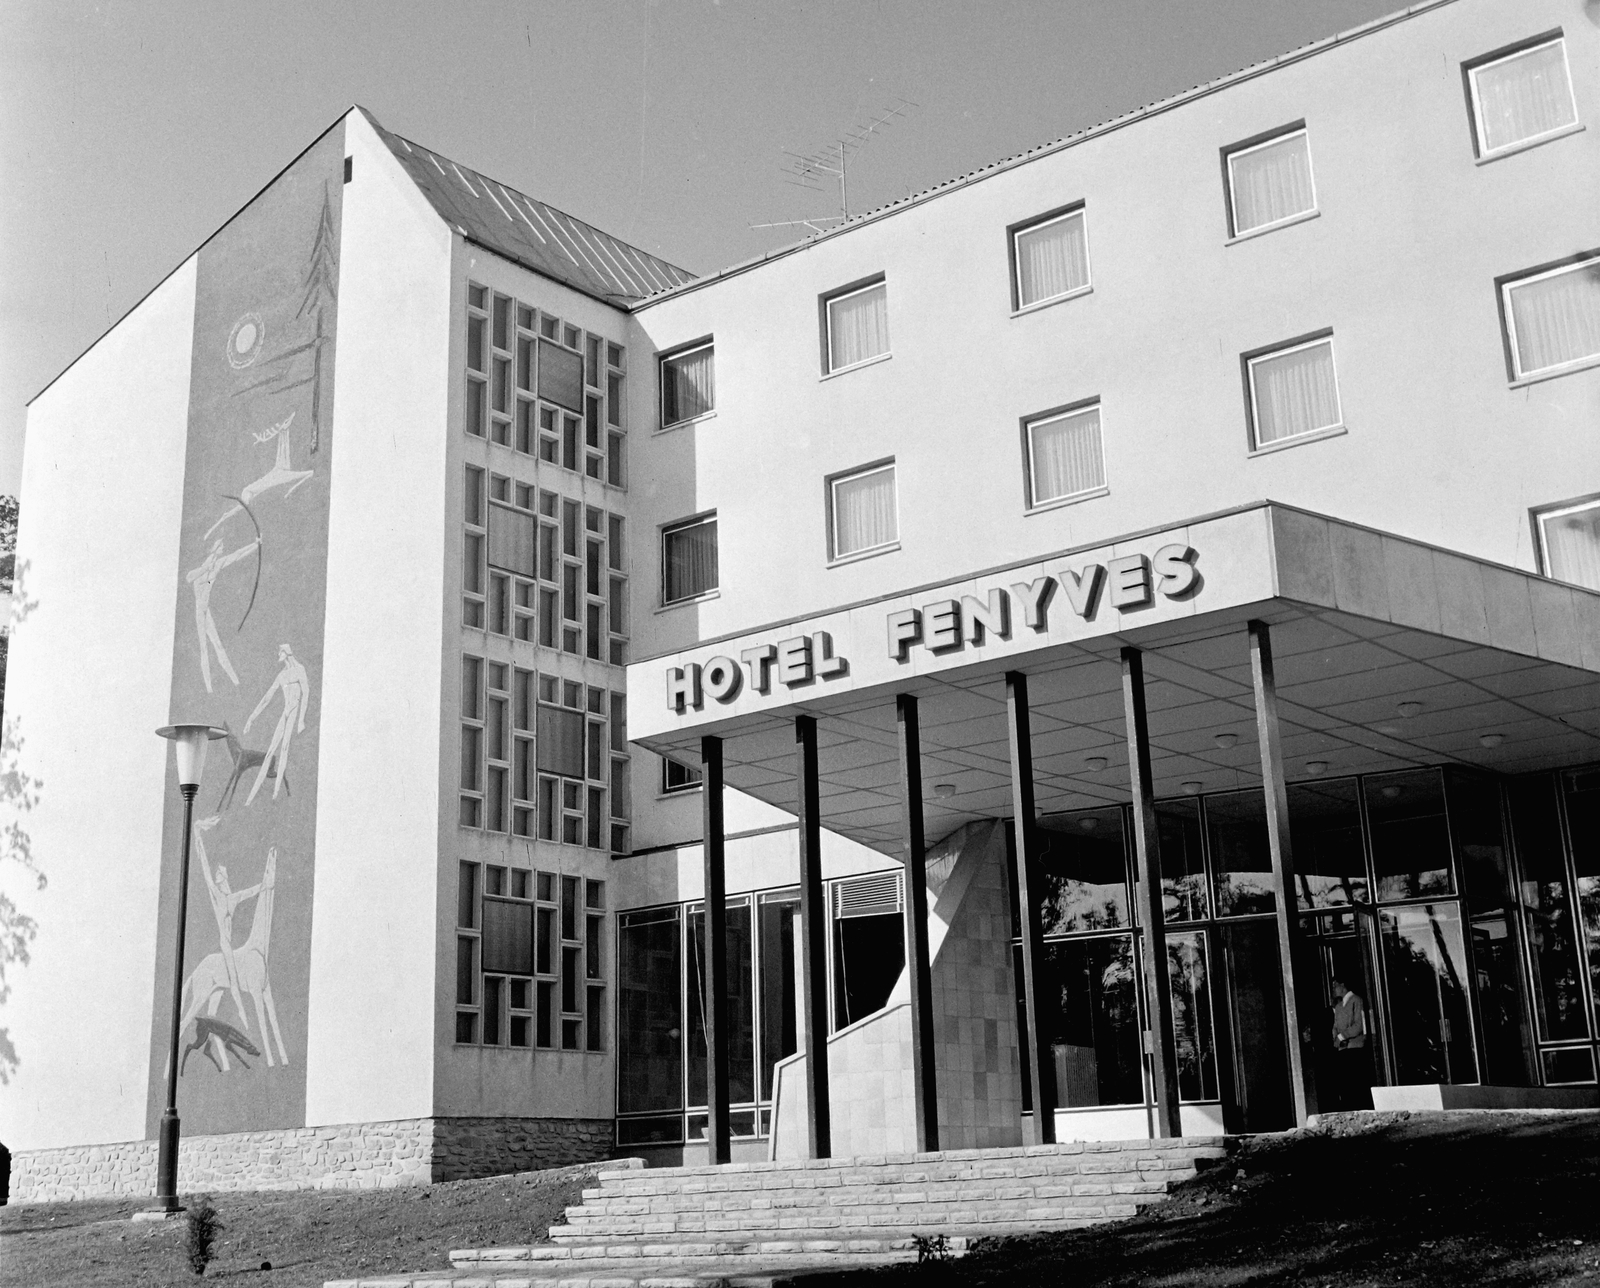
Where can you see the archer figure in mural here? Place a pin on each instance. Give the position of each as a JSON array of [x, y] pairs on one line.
[[203, 579], [296, 687], [280, 475], [248, 964]]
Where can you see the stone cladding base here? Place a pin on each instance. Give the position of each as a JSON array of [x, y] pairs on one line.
[[414, 1151]]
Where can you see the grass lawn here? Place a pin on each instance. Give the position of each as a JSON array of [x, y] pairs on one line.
[[309, 1236]]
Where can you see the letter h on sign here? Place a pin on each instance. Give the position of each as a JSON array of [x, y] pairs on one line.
[[683, 688]]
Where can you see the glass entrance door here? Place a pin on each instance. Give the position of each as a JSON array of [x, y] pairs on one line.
[[1348, 1047]]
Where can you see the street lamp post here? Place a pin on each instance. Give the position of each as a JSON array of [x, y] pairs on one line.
[[190, 740]]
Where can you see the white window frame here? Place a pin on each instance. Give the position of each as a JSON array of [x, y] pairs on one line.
[[1486, 153], [1559, 511], [661, 383], [667, 529], [1079, 212], [1030, 423], [1518, 375], [1234, 231], [828, 301], [849, 476], [1305, 436]]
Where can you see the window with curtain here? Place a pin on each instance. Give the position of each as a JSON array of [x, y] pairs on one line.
[[1293, 391], [688, 385], [688, 560], [864, 516], [1270, 182], [1554, 318], [1052, 258], [1522, 97], [1569, 537], [858, 326], [1064, 455]]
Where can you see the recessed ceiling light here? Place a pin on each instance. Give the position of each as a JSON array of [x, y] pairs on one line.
[[1389, 729], [1089, 824], [1226, 740], [944, 789], [1096, 762], [1191, 788], [1491, 740], [1316, 766], [1390, 791], [1408, 709]]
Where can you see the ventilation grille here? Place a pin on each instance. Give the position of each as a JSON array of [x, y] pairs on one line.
[[867, 896]]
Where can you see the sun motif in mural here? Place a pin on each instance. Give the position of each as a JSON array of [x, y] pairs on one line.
[[244, 341]]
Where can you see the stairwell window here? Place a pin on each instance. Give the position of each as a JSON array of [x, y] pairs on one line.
[[862, 514], [1050, 258], [1552, 319], [855, 326], [1569, 541], [1521, 97], [1066, 461], [688, 385], [689, 559], [1270, 182], [1293, 393]]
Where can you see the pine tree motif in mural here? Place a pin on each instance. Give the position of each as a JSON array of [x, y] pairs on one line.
[[286, 369]]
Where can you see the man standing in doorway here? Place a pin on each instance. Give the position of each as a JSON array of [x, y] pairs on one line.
[[1351, 1057]]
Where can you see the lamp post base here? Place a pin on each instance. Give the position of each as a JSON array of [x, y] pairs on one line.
[[167, 1165]]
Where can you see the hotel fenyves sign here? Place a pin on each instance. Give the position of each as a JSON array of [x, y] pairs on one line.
[[1166, 576]]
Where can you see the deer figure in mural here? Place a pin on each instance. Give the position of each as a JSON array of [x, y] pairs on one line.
[[243, 761]]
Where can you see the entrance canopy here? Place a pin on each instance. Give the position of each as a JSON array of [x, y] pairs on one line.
[[1389, 654]]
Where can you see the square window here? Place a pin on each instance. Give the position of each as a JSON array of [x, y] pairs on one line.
[[1569, 542], [1051, 257], [1065, 456], [1521, 97], [1293, 391], [688, 559], [857, 323], [688, 385], [1270, 183], [1552, 319], [862, 513]]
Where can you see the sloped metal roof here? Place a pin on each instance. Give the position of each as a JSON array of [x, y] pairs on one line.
[[532, 234]]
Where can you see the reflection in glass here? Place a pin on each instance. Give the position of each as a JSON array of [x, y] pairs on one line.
[[1192, 1031], [741, 1017], [1255, 998], [780, 914], [1096, 1039], [1084, 872], [1325, 829], [1547, 910], [869, 953], [649, 1012], [1582, 791], [1426, 965], [1183, 868], [1410, 840], [1241, 859]]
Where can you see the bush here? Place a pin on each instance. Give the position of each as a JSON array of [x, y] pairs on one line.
[[202, 1233]]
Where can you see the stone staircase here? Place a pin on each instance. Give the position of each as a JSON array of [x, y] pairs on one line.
[[754, 1223]]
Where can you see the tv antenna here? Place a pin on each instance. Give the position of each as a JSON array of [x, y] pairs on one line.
[[812, 170]]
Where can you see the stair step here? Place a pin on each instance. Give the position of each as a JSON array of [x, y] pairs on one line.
[[543, 1253]]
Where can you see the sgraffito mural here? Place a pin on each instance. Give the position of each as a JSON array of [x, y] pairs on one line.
[[247, 653]]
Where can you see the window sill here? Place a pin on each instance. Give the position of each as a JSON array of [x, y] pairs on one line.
[[1074, 499], [688, 420], [682, 791], [693, 599], [859, 555], [1301, 218], [1316, 435], [1510, 150], [1054, 299], [1566, 369], [856, 366]]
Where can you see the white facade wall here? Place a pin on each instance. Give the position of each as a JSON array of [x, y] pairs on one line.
[[88, 682]]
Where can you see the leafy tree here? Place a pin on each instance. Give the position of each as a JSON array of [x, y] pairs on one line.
[[18, 795]]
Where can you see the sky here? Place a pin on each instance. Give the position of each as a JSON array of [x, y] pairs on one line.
[[130, 131]]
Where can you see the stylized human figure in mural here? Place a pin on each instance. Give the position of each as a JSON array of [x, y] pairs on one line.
[[223, 903], [280, 475], [296, 687], [203, 579], [212, 979]]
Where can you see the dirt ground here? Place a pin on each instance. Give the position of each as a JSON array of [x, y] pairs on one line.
[[1447, 1200], [308, 1236]]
